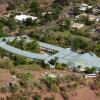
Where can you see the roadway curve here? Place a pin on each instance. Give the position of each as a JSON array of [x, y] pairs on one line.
[[14, 50], [17, 51]]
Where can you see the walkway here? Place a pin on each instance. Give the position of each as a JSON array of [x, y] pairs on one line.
[[64, 55], [14, 50]]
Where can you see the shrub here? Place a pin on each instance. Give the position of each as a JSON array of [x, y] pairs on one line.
[[8, 64], [90, 70], [13, 88], [77, 43], [54, 88], [3, 89], [65, 95], [37, 97], [24, 78]]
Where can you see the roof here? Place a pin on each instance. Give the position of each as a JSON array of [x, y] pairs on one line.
[[75, 59], [24, 17], [65, 55], [14, 50], [50, 46], [77, 25], [89, 59], [98, 19], [92, 17], [84, 6]]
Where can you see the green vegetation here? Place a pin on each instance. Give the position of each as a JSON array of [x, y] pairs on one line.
[[65, 24], [97, 49], [35, 7], [76, 11], [53, 61], [51, 84], [77, 43], [30, 22], [85, 20], [6, 64], [22, 44], [90, 70], [53, 26], [24, 79], [37, 97], [61, 2], [34, 66], [11, 24]]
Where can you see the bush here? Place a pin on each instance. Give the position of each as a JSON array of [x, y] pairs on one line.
[[35, 7], [90, 70], [54, 88], [65, 95], [8, 64], [2, 34], [61, 66], [77, 43], [37, 97], [3, 89], [24, 79], [64, 25], [13, 88]]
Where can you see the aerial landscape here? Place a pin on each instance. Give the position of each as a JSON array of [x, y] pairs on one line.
[[49, 49]]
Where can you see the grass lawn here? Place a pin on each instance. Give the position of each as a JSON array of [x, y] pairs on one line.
[[34, 67], [68, 34]]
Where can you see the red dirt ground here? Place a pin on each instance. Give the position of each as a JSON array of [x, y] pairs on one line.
[[85, 93], [5, 77]]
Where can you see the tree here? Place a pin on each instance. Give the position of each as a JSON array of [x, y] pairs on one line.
[[53, 61], [77, 43], [35, 7], [97, 49], [29, 22], [22, 29], [62, 2], [76, 11], [13, 88], [20, 60], [61, 66], [11, 24], [48, 17], [65, 25], [33, 46], [1, 27]]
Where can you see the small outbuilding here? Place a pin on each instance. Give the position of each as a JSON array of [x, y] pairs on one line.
[[21, 18], [77, 26], [84, 7]]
